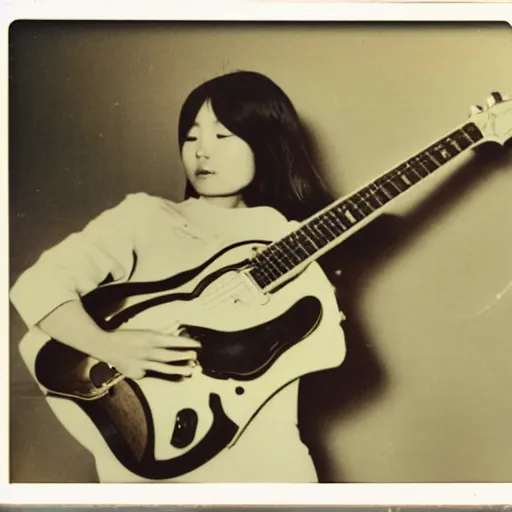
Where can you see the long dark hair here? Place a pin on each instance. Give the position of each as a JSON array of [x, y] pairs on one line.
[[255, 109]]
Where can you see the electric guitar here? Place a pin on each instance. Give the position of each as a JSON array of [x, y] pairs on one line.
[[256, 314]]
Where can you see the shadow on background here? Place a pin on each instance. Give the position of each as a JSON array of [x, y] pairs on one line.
[[362, 377]]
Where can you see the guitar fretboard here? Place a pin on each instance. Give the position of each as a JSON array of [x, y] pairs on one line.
[[322, 231]]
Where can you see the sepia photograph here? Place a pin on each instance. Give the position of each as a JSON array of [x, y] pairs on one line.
[[260, 252]]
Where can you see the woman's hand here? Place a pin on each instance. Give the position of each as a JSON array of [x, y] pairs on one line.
[[135, 352]]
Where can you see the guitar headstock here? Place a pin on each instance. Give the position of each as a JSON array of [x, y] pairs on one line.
[[495, 120]]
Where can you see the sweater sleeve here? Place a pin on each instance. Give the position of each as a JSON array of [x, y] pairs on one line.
[[81, 261]]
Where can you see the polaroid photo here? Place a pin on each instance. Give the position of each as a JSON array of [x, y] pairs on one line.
[[264, 248]]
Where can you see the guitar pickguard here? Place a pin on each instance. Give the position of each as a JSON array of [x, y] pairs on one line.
[[247, 354]]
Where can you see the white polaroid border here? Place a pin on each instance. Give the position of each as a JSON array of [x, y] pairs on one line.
[[220, 494]]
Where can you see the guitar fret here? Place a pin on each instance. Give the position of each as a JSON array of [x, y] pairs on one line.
[[325, 224], [354, 211], [405, 180], [448, 149], [277, 256], [430, 162], [409, 173], [413, 173], [267, 279], [333, 222], [290, 250], [412, 176], [462, 140], [421, 169], [400, 175], [317, 226], [311, 236], [271, 268], [389, 196], [373, 196], [452, 142], [319, 239], [435, 158], [418, 167], [366, 203], [260, 281], [279, 263], [442, 152], [255, 274], [393, 184], [399, 183], [338, 213], [362, 205], [324, 238], [427, 163], [318, 236], [340, 217], [298, 242], [472, 132], [305, 252], [390, 192], [349, 215], [259, 275], [379, 194], [337, 219], [309, 246], [337, 229]]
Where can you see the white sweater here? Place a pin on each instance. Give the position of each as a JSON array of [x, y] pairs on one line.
[[169, 237]]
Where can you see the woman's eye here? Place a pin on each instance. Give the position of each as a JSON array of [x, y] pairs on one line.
[[190, 138], [223, 135]]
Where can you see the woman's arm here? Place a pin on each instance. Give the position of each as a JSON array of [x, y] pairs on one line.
[[71, 324], [80, 262], [131, 352], [48, 294]]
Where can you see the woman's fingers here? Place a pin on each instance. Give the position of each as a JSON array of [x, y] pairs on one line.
[[135, 374], [167, 369], [168, 341], [168, 356]]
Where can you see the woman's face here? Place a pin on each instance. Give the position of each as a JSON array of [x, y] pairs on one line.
[[219, 164]]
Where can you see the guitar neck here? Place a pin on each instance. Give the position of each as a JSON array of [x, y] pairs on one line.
[[321, 232]]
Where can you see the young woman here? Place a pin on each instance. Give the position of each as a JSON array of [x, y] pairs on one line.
[[249, 173]]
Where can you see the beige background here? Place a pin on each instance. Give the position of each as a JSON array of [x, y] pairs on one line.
[[424, 394]]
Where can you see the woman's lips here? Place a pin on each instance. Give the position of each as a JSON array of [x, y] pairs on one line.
[[202, 173]]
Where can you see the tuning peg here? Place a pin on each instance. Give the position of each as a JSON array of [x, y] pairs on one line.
[[475, 109], [495, 97], [492, 100]]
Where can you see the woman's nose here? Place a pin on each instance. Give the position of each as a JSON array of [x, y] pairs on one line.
[[201, 151], [204, 147]]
